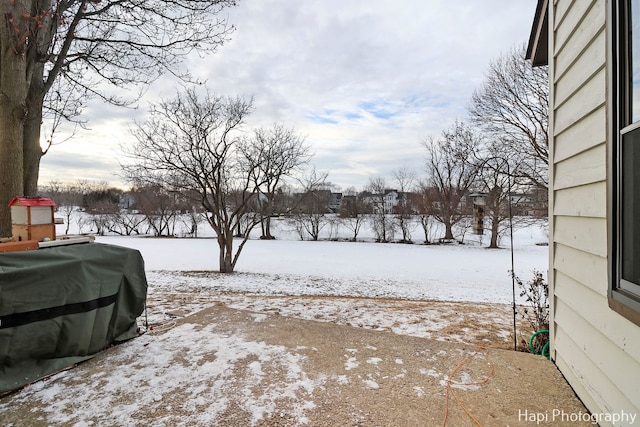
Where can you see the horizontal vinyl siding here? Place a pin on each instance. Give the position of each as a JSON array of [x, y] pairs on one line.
[[596, 390], [595, 365], [591, 131], [584, 101], [561, 11], [575, 21], [588, 269], [603, 329], [587, 167], [583, 234], [578, 53], [581, 65], [596, 349], [588, 200]]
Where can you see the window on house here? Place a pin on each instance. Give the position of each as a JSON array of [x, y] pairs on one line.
[[624, 158]]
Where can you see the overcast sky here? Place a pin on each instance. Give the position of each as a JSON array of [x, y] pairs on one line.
[[365, 81]]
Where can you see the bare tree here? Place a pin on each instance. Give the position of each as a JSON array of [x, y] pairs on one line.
[[278, 152], [191, 219], [352, 211], [512, 106], [405, 180], [496, 184], [126, 223], [67, 197], [101, 202], [158, 206], [425, 206], [463, 227], [57, 53], [189, 145], [381, 220], [451, 169], [311, 205], [494, 179], [12, 109]]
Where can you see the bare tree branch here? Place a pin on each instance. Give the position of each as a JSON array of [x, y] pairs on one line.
[[190, 145], [451, 170], [86, 48], [512, 106], [272, 155]]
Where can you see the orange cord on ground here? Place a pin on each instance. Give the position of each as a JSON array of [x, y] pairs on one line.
[[450, 382]]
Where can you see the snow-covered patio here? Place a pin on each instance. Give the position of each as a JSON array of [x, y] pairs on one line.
[[228, 367]]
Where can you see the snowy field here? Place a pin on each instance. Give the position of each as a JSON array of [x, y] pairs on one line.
[[448, 272], [382, 286]]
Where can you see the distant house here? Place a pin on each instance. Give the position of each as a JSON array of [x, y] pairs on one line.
[[530, 203], [381, 202], [335, 202], [389, 201], [592, 50]]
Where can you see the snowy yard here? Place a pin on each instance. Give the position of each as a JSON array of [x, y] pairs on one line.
[[448, 272], [451, 292], [387, 286]]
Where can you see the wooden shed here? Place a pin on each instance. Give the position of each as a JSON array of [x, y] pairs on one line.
[[32, 218]]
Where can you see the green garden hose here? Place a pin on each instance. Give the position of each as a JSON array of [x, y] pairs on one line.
[[545, 348]]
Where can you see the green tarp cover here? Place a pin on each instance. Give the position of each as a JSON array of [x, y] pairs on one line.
[[61, 305]]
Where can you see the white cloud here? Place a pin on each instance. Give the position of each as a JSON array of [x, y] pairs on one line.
[[365, 81]]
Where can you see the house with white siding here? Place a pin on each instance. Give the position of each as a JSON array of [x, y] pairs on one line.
[[592, 48], [384, 202]]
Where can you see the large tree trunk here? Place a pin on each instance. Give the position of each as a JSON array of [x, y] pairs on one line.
[[13, 92], [31, 148], [10, 157], [267, 226], [448, 230], [493, 244], [265, 219], [225, 242], [31, 160]]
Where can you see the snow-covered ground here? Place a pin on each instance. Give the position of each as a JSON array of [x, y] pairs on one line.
[[335, 281], [393, 285], [448, 272]]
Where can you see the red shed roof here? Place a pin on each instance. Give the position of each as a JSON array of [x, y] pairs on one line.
[[31, 201]]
